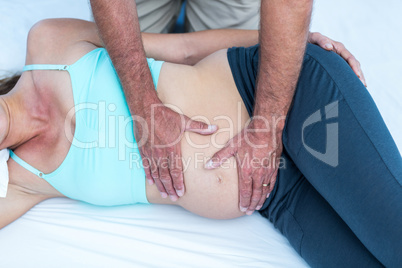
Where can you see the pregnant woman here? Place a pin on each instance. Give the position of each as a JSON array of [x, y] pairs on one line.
[[338, 195]]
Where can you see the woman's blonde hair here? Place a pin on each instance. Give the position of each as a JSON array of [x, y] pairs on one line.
[[8, 83]]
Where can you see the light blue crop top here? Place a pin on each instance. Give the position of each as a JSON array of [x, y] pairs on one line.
[[103, 166]]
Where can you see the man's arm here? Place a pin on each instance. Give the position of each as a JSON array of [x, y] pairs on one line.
[[117, 21], [118, 25], [283, 38]]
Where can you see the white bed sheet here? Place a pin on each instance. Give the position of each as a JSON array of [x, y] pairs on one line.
[[66, 233]]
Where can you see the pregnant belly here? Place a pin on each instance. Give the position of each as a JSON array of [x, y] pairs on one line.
[[208, 93], [209, 193]]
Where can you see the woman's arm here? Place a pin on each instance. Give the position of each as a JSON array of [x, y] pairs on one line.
[[16, 204], [190, 48]]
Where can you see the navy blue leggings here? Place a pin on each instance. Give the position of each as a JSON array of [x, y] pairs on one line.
[[338, 196]]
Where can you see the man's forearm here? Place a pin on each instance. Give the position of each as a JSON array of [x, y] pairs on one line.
[[118, 25], [283, 38]]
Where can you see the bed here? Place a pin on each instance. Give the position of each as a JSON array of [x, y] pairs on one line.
[[66, 233]]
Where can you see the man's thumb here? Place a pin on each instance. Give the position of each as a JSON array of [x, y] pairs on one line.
[[200, 127]]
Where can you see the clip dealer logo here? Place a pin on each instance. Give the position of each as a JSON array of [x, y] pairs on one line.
[[331, 154]]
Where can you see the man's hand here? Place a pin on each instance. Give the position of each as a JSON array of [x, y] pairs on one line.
[[279, 68], [331, 45], [160, 146], [257, 150], [159, 137]]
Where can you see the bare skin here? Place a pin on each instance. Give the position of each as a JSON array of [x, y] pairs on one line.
[[32, 115], [34, 112], [282, 22], [283, 38], [127, 53]]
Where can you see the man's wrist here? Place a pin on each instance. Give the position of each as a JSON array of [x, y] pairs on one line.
[[144, 103], [274, 122], [270, 110]]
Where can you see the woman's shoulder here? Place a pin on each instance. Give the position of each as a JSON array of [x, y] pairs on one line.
[[56, 41]]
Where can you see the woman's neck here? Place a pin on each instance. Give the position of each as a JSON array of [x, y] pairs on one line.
[[21, 116]]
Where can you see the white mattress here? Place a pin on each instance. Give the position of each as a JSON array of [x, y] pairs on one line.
[[66, 233]]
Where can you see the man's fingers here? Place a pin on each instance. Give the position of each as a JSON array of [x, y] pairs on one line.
[[176, 171], [363, 79], [271, 184], [358, 71], [355, 64], [161, 188], [258, 179], [200, 127], [155, 177], [265, 191], [321, 40], [329, 44], [341, 50], [154, 169], [219, 157], [272, 181], [166, 179], [147, 169], [245, 189]]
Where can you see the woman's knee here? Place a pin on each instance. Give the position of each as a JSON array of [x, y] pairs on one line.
[[327, 65]]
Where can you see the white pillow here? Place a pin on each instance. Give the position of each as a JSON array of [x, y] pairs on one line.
[[18, 16]]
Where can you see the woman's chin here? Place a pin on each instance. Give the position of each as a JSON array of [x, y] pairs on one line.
[[3, 133], [3, 125], [2, 146]]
